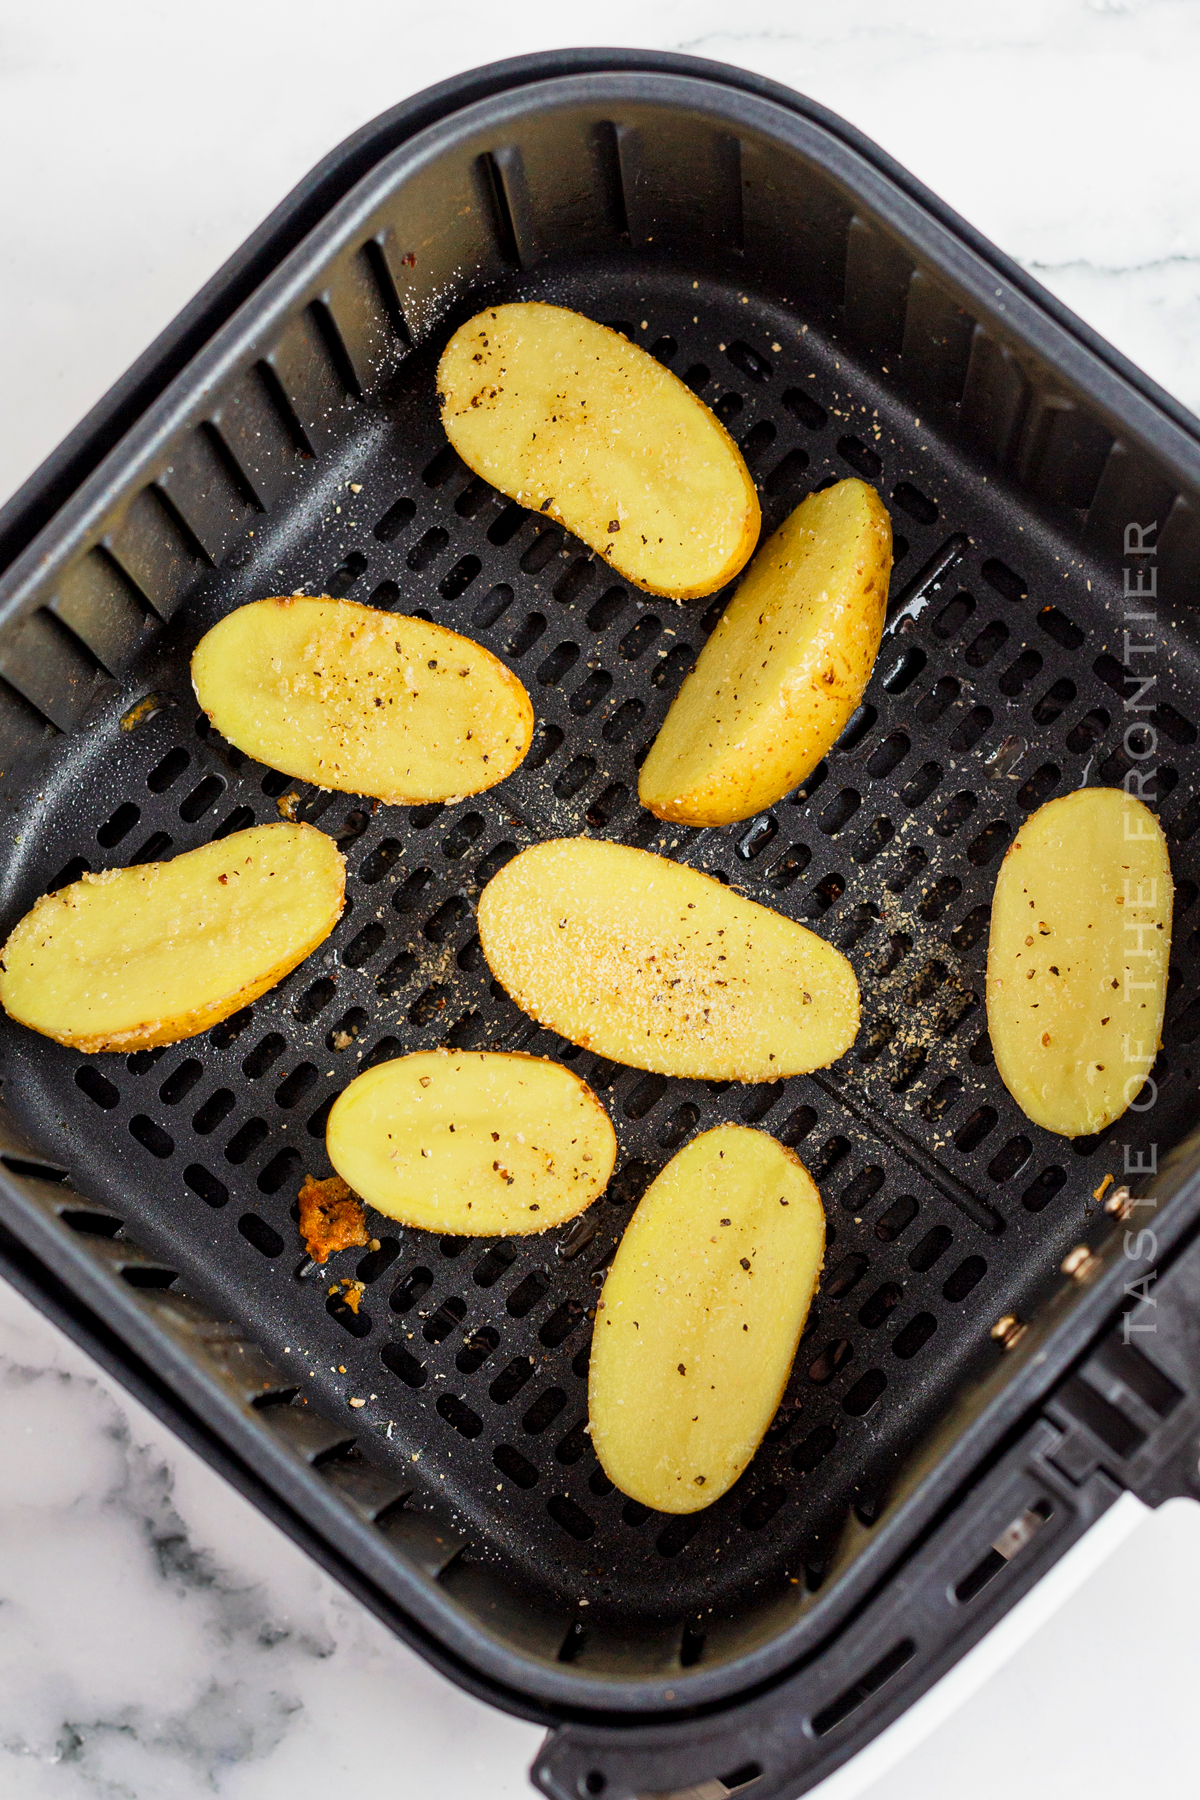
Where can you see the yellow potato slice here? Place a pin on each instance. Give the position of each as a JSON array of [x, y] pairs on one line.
[[1077, 959], [655, 965], [472, 1142], [700, 1317], [573, 420], [353, 698], [143, 956], [783, 671]]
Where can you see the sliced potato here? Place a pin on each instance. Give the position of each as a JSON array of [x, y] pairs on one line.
[[656, 965], [574, 421], [472, 1142], [1077, 959], [143, 956], [353, 698], [700, 1317], [785, 668]]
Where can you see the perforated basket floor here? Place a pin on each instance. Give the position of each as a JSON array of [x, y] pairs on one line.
[[946, 1207]]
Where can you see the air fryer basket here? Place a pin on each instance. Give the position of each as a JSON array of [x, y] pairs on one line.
[[839, 323]]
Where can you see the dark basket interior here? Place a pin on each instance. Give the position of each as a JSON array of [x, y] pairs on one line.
[[318, 463]]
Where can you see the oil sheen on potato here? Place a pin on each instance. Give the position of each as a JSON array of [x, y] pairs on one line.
[[653, 964], [786, 666], [147, 955], [472, 1142], [361, 700], [1077, 959], [576, 423], [700, 1317]]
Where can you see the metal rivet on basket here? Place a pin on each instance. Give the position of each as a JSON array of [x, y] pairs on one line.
[[1119, 1204], [1008, 1331], [1080, 1263]]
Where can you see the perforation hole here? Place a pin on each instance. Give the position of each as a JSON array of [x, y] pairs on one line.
[[935, 900], [602, 811], [364, 944], [314, 999], [428, 548], [846, 1277], [904, 670], [552, 669], [118, 825], [607, 609], [465, 1420], [918, 788], [897, 1219], [155, 847], [166, 773], [953, 616], [961, 1281], [938, 700], [526, 635], [917, 505], [865, 1392], [860, 456], [214, 1111], [511, 1379], [1172, 723], [381, 861], [493, 1264], [1020, 673], [757, 441], [991, 840], [674, 666], [576, 775], [394, 520], [727, 407], [440, 1324], [589, 693], [832, 1359], [544, 548], [265, 1239], [1010, 1159], [1064, 631], [544, 1411], [574, 1521], [1039, 787], [460, 577], [789, 867], [1054, 701], [788, 472], [880, 1305], [825, 895], [863, 1189], [493, 606], [675, 1537], [930, 1248], [401, 1361], [281, 1171], [992, 638], [887, 755], [267, 1051], [348, 571], [813, 1449], [526, 1295], [239, 820], [180, 1082], [761, 832], [1040, 1192], [292, 1090], [506, 525], [914, 1336], [1088, 732], [214, 1193], [968, 731], [914, 861]]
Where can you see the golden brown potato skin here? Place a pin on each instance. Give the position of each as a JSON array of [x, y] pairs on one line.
[[365, 701], [658, 966], [1077, 959], [131, 958], [786, 666], [700, 1317], [575, 422]]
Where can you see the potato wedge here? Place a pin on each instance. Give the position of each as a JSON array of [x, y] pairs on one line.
[[1077, 959], [785, 668], [574, 421], [472, 1142], [148, 955], [700, 1317], [658, 966], [353, 698]]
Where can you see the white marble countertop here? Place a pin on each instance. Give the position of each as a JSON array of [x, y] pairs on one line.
[[158, 1639]]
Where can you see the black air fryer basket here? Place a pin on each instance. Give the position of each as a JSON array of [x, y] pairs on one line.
[[1005, 1337]]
